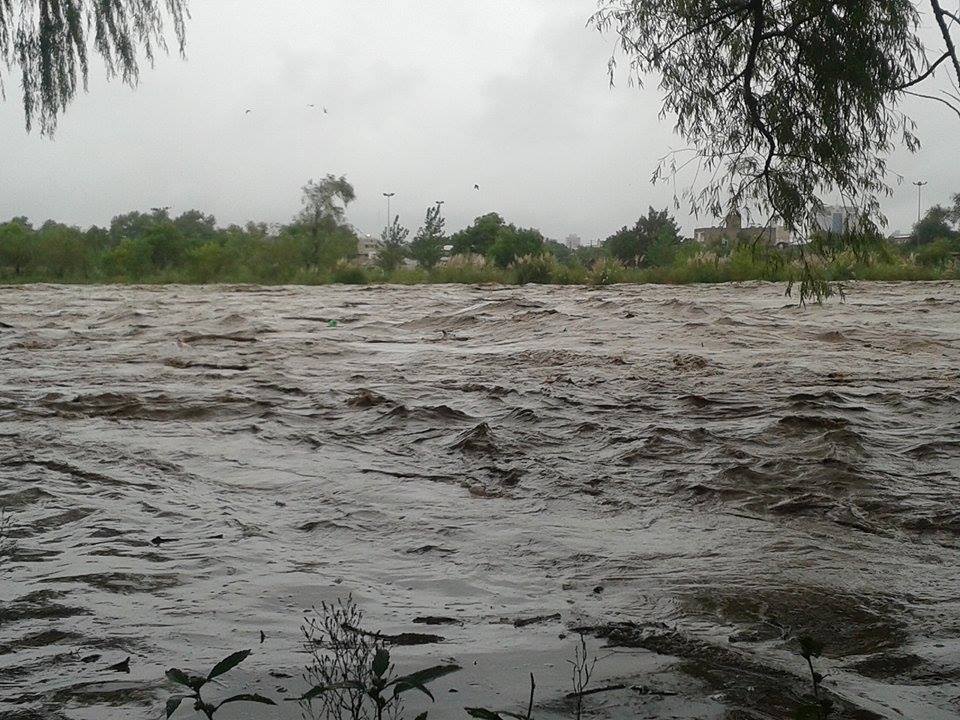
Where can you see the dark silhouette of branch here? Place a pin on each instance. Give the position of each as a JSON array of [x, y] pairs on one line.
[[941, 16], [924, 76]]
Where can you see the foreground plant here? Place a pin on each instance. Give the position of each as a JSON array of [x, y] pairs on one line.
[[383, 688], [486, 714], [196, 683], [351, 672], [583, 668], [51, 42], [817, 707]]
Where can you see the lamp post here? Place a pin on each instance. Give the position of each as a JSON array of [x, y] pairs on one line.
[[919, 191], [388, 196]]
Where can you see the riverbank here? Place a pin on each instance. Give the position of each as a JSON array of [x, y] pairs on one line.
[[541, 270]]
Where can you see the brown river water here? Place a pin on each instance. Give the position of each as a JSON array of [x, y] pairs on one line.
[[714, 467]]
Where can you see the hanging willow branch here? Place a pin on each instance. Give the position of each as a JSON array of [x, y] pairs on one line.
[[49, 41], [784, 101]]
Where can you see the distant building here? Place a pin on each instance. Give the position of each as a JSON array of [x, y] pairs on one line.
[[898, 237], [836, 219], [573, 242], [368, 249], [446, 255], [732, 230]]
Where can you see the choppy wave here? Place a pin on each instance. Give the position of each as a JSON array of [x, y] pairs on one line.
[[188, 466]]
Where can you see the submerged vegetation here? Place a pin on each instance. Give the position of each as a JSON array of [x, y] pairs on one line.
[[351, 676], [319, 246], [350, 670]]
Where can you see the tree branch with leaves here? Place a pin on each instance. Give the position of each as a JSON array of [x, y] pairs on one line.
[[783, 102], [51, 41]]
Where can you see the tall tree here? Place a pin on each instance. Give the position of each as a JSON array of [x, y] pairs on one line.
[[513, 243], [196, 225], [633, 246], [50, 41], [785, 100], [61, 251], [393, 248], [324, 210], [935, 225], [478, 237], [16, 245], [136, 224], [427, 246]]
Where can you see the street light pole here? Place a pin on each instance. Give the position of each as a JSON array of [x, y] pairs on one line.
[[388, 196], [919, 190]]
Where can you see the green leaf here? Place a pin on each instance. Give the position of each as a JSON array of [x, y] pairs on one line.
[[181, 678], [422, 677], [247, 697], [421, 716], [381, 662], [483, 714], [403, 687], [810, 647], [808, 711], [228, 663], [418, 680], [321, 689], [173, 702]]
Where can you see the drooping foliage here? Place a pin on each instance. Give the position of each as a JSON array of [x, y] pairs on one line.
[[324, 212], [783, 101], [327, 198], [50, 42]]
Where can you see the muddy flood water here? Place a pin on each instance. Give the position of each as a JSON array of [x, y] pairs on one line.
[[697, 475]]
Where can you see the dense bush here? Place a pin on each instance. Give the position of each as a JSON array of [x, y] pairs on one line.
[[539, 269], [346, 274]]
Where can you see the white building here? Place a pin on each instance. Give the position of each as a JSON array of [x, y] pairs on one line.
[[836, 219], [899, 237], [573, 242], [733, 230], [368, 249]]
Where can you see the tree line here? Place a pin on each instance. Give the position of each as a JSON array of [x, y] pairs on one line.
[[320, 245]]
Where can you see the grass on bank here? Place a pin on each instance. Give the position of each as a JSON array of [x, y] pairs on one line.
[[537, 269]]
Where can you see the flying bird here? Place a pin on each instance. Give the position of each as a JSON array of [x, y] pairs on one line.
[[325, 111], [476, 187], [247, 112]]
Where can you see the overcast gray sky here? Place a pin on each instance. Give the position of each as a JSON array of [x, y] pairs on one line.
[[425, 97]]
